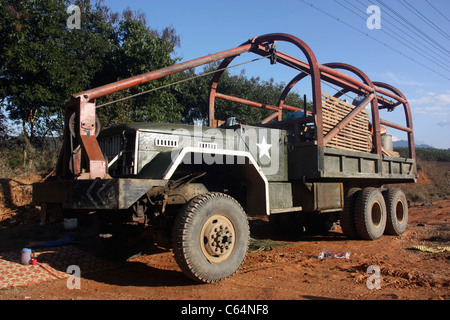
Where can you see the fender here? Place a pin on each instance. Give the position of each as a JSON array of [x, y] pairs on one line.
[[173, 159]]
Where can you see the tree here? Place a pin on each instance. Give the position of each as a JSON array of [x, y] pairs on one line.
[[43, 62], [194, 96], [3, 131], [140, 49]]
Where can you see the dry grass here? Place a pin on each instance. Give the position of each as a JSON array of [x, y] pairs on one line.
[[37, 163], [433, 182]]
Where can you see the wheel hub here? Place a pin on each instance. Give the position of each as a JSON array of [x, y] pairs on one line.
[[217, 238]]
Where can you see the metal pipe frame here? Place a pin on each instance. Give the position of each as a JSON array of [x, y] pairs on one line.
[[349, 84], [81, 157], [380, 86], [261, 46]]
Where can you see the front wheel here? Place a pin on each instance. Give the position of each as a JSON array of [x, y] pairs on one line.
[[211, 237]]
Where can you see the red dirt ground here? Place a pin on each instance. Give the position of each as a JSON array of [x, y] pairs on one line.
[[290, 272]]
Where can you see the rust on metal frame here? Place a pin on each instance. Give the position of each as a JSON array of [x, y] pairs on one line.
[[81, 150], [261, 47], [163, 72], [379, 87]]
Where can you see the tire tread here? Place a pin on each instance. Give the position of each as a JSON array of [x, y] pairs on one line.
[[181, 240]]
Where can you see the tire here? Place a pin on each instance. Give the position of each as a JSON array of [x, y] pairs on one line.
[[370, 214], [347, 216], [397, 211], [210, 237]]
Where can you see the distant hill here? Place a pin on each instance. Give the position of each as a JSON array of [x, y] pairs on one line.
[[404, 144], [426, 153]]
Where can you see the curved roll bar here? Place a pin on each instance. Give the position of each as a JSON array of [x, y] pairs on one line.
[[81, 157], [321, 72]]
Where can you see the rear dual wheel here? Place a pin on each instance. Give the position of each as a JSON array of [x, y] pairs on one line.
[[397, 211], [368, 213], [347, 216]]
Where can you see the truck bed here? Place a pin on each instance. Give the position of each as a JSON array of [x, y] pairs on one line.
[[316, 163]]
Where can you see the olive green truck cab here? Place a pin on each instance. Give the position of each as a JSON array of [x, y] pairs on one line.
[[191, 188]]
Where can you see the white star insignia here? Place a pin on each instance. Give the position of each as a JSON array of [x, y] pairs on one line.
[[264, 148]]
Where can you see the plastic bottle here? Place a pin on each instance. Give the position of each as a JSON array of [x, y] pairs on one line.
[[333, 254], [26, 256]]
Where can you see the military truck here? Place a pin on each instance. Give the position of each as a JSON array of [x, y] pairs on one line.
[[191, 188]]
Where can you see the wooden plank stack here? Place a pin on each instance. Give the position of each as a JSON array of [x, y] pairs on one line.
[[356, 135]]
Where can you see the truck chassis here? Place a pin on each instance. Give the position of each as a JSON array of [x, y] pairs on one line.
[[191, 188]]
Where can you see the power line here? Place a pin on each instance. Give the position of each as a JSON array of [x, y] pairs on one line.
[[436, 61], [445, 51], [421, 16], [415, 37], [437, 10], [413, 26], [383, 43]]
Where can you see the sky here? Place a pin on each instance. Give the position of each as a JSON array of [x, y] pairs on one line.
[[410, 50]]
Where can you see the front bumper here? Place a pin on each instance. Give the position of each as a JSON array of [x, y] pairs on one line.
[[116, 193]]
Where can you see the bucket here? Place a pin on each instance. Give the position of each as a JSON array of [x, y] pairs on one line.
[[70, 223], [26, 256]]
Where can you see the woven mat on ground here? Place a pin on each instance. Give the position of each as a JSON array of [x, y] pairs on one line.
[[52, 264], [431, 250], [257, 244]]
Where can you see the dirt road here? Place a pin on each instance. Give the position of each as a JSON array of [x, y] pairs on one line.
[[289, 272]]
